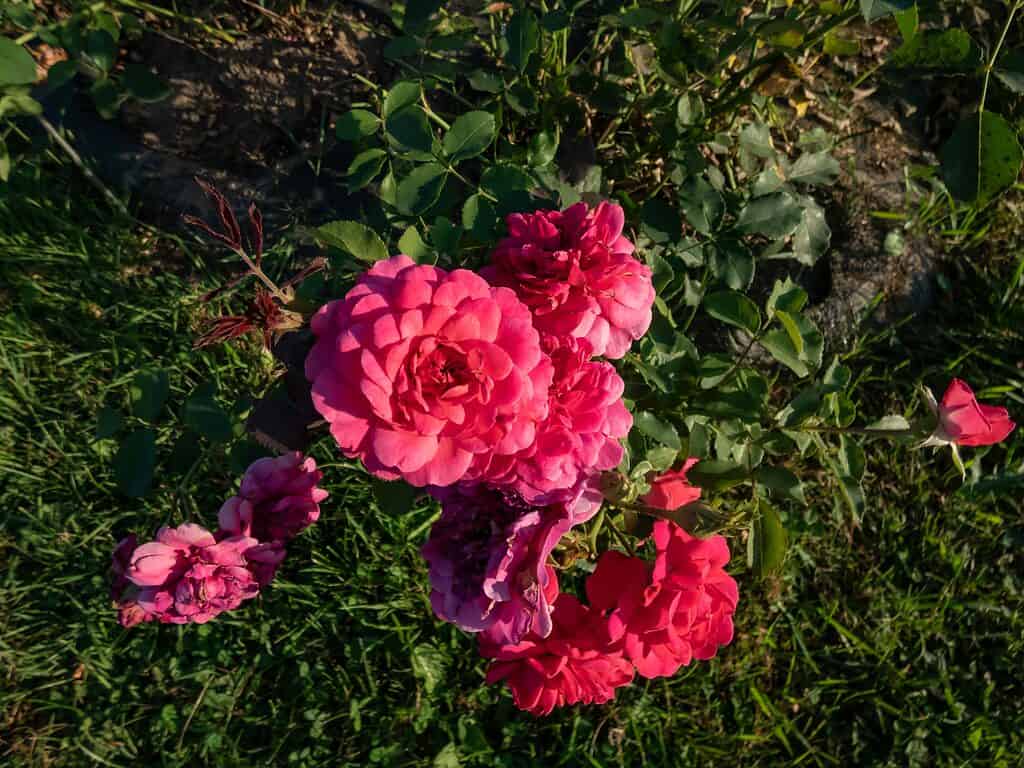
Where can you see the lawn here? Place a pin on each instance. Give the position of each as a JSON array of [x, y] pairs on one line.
[[892, 634]]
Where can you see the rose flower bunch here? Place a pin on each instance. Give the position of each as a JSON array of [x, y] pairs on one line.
[[493, 391]]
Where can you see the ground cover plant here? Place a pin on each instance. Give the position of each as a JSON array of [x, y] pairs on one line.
[[643, 194]]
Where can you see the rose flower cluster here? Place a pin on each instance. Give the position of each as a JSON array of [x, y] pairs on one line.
[[489, 391], [191, 575], [492, 391]]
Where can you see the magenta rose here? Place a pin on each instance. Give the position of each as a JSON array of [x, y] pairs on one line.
[[279, 499], [488, 556], [424, 375], [576, 273], [187, 576], [669, 613], [580, 437], [122, 590]]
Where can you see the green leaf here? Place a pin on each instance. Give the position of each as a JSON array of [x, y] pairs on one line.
[[134, 463], [469, 135], [395, 498], [418, 191], [412, 245], [735, 309], [801, 358], [717, 475], [448, 757], [814, 168], [356, 124], [364, 167], [205, 415], [756, 138], [410, 129], [813, 235], [106, 97], [17, 67], [401, 95], [143, 84], [445, 235], [486, 82], [907, 22], [61, 72], [543, 147], [401, 47], [108, 422], [783, 33], [479, 217], [775, 215], [522, 99], [766, 547], [186, 451], [788, 323], [801, 407], [354, 238], [660, 221], [889, 423], [522, 36], [702, 204], [781, 482], [148, 393], [836, 44], [429, 665], [101, 48], [499, 180], [732, 263], [650, 425], [5, 161], [851, 458], [1010, 70], [975, 171], [662, 457], [787, 296], [876, 9], [418, 13]]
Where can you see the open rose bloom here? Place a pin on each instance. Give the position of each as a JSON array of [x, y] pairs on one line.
[[426, 375], [186, 575], [576, 273], [576, 663], [672, 611]]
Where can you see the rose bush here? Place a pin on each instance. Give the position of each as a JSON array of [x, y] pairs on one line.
[[492, 397]]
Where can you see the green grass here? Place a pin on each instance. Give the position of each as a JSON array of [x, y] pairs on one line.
[[892, 640]]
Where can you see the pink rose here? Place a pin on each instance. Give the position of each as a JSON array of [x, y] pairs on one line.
[[577, 663], [279, 499], [965, 421], [575, 272], [670, 490], [580, 437], [122, 591], [186, 575], [670, 613], [488, 556], [424, 375]]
